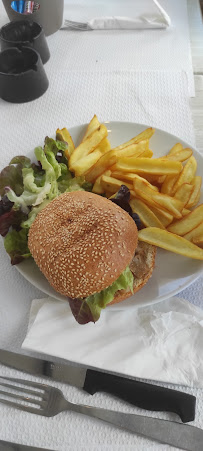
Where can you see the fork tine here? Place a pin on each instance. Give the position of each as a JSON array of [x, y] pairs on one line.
[[76, 25], [25, 382], [21, 407], [22, 389], [71, 22], [22, 398]]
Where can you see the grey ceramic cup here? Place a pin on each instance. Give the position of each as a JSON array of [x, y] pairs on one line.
[[21, 33], [22, 75], [49, 15]]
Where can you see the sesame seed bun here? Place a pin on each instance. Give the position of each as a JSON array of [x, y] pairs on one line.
[[82, 242], [150, 252]]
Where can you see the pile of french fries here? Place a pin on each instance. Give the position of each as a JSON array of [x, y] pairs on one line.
[[164, 191]]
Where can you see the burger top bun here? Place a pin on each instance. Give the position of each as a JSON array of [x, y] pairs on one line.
[[82, 242]]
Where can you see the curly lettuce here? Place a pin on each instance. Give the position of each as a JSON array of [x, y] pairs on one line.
[[28, 187]]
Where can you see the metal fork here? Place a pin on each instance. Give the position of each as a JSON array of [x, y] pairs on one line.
[[51, 401], [81, 26]]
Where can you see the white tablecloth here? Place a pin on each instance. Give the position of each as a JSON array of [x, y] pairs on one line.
[[140, 49], [78, 89], [159, 49]]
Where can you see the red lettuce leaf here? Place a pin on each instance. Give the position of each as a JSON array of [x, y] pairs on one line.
[[81, 311], [12, 175], [21, 160], [11, 218]]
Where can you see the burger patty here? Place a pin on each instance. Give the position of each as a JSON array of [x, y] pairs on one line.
[[138, 265]]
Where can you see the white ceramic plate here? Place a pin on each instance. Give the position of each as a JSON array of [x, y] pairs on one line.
[[172, 272]]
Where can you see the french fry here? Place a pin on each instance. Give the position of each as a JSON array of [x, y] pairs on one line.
[[177, 148], [147, 154], [163, 216], [183, 193], [194, 198], [187, 223], [171, 242], [132, 150], [64, 135], [168, 184], [84, 164], [92, 127], [108, 194], [112, 185], [87, 146], [94, 124], [161, 179], [148, 218], [104, 146], [145, 135], [187, 174], [138, 177], [198, 241], [197, 231], [130, 177], [151, 178], [105, 162], [156, 199], [97, 187], [148, 166], [121, 176], [132, 194], [183, 155], [197, 199], [185, 211]]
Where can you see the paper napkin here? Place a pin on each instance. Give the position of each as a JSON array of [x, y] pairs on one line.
[[121, 15], [162, 342]]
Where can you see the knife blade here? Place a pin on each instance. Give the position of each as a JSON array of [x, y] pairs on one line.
[[9, 446], [141, 394]]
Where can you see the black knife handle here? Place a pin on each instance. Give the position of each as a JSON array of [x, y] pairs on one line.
[[141, 394]]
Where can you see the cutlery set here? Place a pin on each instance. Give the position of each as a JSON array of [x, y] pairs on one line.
[[45, 400]]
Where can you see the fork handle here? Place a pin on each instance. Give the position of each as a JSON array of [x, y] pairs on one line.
[[141, 394], [182, 436]]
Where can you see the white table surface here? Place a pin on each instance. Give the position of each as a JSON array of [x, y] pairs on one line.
[[196, 30]]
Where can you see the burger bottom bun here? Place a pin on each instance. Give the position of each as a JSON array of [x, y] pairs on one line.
[[138, 283]]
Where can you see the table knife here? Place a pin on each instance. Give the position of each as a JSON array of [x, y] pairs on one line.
[[141, 394], [9, 446]]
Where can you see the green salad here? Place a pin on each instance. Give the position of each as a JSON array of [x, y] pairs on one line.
[[26, 187]]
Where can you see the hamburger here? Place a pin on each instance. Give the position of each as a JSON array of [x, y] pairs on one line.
[[87, 248]]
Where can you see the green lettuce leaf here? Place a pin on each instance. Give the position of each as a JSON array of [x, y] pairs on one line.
[[16, 246], [33, 213], [54, 146], [89, 309]]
